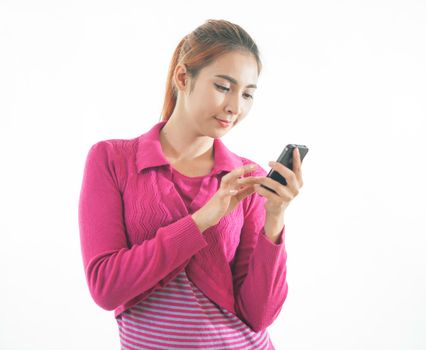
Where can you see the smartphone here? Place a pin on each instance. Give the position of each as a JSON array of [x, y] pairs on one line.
[[286, 159]]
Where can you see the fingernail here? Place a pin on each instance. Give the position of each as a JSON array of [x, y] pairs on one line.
[[252, 166]]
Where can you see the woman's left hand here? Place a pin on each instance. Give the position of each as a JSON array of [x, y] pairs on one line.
[[277, 203]]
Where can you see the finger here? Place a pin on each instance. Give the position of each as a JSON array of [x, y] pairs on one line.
[[274, 197], [285, 192], [285, 172], [296, 159], [266, 193], [297, 164], [260, 180], [249, 180], [243, 193], [230, 178]]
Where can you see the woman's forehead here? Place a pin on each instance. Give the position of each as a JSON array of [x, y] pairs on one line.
[[239, 69]]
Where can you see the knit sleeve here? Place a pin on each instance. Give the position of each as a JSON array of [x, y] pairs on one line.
[[114, 271], [259, 268]]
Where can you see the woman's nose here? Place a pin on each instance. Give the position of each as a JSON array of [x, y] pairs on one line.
[[234, 106]]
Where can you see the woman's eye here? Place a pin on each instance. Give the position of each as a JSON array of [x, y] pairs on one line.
[[220, 87], [223, 88]]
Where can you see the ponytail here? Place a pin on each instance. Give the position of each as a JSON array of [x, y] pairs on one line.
[[171, 93]]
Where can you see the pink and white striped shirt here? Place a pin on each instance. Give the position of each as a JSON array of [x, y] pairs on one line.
[[179, 316]]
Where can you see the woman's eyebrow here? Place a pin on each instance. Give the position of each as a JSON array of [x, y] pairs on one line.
[[233, 81]]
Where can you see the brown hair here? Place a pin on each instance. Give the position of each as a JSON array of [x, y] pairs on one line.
[[200, 48]]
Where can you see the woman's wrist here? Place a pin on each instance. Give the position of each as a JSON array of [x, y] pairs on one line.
[[273, 227], [200, 221]]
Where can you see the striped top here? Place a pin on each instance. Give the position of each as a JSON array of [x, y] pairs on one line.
[[180, 316]]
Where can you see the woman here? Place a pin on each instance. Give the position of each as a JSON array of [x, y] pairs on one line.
[[177, 236]]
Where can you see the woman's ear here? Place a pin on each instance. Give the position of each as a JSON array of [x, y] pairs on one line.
[[181, 77]]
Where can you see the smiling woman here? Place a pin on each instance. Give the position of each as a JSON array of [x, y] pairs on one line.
[[218, 94], [186, 255]]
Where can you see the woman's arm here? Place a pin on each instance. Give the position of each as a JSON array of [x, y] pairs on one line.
[[259, 269], [116, 272], [260, 284]]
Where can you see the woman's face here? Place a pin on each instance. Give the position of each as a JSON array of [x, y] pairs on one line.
[[223, 90]]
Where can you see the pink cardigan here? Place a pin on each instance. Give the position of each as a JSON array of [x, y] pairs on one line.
[[137, 234]]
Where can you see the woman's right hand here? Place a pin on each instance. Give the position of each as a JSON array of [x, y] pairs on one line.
[[229, 194]]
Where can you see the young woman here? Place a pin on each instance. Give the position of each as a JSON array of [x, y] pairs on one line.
[[177, 237]]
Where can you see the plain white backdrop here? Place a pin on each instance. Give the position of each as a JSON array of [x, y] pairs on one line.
[[346, 78]]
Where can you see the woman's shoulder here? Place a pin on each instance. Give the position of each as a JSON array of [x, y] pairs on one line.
[[112, 157], [112, 148]]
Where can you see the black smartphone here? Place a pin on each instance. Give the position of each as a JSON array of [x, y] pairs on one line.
[[286, 159]]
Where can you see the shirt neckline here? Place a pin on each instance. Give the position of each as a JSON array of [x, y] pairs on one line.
[[179, 174]]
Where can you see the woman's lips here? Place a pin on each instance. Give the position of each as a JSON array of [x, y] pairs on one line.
[[223, 123]]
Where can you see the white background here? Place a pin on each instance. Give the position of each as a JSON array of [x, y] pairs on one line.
[[346, 78]]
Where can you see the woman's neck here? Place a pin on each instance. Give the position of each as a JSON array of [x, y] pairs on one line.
[[179, 144]]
